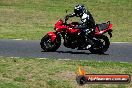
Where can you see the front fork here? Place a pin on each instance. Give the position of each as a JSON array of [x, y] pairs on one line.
[[110, 34]]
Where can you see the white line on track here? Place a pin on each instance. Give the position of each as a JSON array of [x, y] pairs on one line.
[[64, 59], [68, 60], [14, 57], [42, 58], [121, 42], [16, 39]]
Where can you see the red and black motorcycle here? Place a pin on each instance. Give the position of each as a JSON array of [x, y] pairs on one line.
[[73, 38]]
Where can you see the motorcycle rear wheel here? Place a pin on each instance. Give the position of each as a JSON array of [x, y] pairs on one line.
[[102, 47], [48, 46]]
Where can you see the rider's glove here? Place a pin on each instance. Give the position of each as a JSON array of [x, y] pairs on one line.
[[66, 17]]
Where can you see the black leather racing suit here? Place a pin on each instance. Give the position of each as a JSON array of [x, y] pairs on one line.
[[87, 25]]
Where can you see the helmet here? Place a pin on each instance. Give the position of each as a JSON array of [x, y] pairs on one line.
[[79, 10]]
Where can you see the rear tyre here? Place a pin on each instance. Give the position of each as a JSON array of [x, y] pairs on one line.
[[101, 46], [48, 46]]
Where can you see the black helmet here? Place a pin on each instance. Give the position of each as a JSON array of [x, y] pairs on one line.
[[79, 10]]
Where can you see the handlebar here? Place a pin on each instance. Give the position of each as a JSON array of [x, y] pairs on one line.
[[65, 22], [65, 19]]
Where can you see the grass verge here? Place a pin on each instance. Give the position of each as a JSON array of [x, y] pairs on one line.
[[50, 73], [31, 19]]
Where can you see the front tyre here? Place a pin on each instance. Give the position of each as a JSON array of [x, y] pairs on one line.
[[48, 46], [101, 46]]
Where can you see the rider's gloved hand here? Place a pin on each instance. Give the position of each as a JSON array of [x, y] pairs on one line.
[[66, 17]]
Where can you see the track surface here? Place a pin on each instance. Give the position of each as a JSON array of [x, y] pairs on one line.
[[20, 48]]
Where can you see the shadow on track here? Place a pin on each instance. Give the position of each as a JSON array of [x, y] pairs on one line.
[[72, 52]]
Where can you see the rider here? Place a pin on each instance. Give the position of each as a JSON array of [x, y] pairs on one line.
[[87, 24]]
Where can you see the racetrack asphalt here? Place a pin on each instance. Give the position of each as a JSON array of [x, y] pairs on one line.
[[31, 48]]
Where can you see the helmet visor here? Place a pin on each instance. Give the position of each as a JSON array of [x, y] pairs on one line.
[[78, 12]]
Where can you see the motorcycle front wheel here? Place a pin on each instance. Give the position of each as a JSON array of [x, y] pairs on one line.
[[101, 46], [48, 46]]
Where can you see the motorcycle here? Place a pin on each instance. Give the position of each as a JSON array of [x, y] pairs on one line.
[[73, 38]]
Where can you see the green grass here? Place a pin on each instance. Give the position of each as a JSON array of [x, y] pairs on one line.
[[31, 19], [49, 73]]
